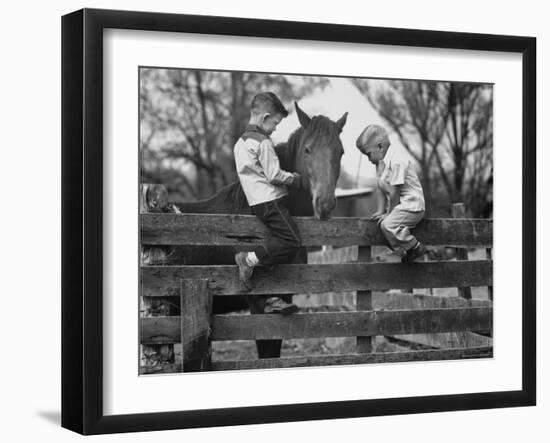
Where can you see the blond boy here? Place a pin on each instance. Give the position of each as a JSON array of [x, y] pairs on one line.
[[401, 205]]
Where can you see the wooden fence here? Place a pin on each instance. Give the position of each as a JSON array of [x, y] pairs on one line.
[[190, 288]]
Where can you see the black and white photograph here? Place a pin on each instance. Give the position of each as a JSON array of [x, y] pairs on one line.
[[244, 221], [290, 220]]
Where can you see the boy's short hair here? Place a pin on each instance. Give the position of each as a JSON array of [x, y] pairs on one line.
[[373, 134], [267, 102]]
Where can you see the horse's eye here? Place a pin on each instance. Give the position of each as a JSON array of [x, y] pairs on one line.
[[308, 151]]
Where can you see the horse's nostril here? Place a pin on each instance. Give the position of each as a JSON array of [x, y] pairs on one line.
[[316, 203]]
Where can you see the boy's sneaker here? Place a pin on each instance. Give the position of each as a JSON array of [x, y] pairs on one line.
[[245, 271], [276, 305], [415, 252]]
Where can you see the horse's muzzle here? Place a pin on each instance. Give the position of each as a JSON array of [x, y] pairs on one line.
[[323, 207]]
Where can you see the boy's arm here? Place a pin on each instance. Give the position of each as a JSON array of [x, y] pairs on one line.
[[394, 196], [386, 205], [270, 164], [381, 203], [396, 180]]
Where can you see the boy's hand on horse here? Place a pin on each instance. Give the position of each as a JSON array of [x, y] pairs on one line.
[[297, 181]]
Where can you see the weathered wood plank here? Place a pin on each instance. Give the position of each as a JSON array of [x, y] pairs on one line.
[[458, 211], [346, 324], [354, 359], [196, 308], [291, 279], [212, 229], [168, 368], [489, 255], [363, 344], [158, 330], [401, 300], [445, 340], [334, 324]]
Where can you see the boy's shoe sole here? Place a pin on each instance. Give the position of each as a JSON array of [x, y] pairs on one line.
[[413, 254], [280, 307], [245, 271], [287, 310]]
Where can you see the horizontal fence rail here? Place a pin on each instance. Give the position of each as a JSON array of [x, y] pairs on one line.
[[337, 359], [334, 324], [239, 230], [355, 359], [291, 279]]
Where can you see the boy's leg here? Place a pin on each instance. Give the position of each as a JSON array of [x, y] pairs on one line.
[[247, 261], [245, 269], [281, 246], [284, 242], [396, 228]]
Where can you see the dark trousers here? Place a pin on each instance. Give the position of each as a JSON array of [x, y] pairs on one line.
[[284, 241]]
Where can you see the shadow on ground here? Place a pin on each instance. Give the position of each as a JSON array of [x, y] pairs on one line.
[[54, 417]]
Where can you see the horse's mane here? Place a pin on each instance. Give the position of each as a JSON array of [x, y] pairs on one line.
[[322, 125], [232, 193], [288, 150]]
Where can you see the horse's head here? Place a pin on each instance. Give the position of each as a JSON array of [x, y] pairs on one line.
[[318, 159]]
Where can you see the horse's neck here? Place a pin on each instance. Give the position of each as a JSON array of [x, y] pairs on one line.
[[228, 200], [198, 207], [286, 157], [300, 202], [299, 199], [288, 152]]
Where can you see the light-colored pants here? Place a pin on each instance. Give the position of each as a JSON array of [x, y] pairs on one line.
[[396, 228]]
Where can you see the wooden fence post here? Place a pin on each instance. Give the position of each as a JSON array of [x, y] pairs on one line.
[[489, 256], [196, 310], [364, 345], [459, 211], [153, 197], [155, 356]]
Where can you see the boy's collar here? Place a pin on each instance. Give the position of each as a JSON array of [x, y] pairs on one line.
[[388, 156], [256, 128]]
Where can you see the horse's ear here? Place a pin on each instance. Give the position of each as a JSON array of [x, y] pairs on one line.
[[342, 121], [303, 118]]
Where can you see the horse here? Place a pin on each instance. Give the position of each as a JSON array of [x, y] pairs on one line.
[[314, 150]]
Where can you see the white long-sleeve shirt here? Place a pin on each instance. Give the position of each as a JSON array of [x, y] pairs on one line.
[[258, 168]]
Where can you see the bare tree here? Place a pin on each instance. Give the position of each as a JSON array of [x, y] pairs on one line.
[[447, 129], [191, 119]]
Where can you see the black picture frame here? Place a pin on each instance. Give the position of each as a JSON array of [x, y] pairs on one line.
[[82, 215]]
